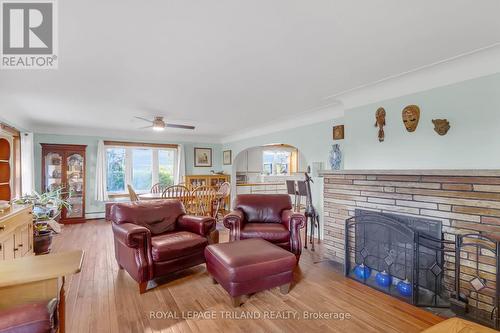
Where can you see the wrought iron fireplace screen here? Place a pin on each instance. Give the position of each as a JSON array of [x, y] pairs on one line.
[[412, 251], [403, 247]]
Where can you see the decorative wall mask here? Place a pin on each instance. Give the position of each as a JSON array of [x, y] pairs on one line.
[[380, 123], [411, 116], [441, 126]]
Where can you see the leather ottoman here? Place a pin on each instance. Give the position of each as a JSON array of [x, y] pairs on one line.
[[248, 266]]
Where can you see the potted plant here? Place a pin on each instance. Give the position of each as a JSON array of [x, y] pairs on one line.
[[47, 208]]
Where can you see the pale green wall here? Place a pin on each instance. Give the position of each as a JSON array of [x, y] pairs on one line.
[[313, 142], [473, 108], [93, 206], [473, 142]]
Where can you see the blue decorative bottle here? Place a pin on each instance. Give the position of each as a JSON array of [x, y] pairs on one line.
[[335, 157], [362, 271], [404, 288], [383, 279]]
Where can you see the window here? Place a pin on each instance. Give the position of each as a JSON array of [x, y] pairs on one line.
[[276, 162], [166, 159], [115, 169], [142, 167]]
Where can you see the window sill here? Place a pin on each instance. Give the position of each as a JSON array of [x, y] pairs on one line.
[[117, 195]]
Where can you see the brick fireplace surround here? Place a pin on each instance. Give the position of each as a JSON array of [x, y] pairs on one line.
[[466, 201]]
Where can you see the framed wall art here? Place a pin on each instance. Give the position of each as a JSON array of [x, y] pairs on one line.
[[338, 132], [202, 157], [226, 157]]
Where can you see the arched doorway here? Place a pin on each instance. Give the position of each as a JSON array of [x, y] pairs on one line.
[[266, 164], [249, 162]]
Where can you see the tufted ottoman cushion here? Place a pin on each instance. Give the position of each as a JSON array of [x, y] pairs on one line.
[[249, 266]]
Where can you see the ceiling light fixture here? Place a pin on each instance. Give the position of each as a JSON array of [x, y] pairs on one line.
[[158, 124]]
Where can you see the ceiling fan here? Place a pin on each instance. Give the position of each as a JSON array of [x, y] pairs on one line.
[[158, 124]]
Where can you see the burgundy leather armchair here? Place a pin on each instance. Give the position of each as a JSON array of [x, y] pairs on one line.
[[266, 216], [155, 238]]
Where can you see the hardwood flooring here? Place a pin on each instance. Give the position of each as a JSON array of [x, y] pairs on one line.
[[103, 298]]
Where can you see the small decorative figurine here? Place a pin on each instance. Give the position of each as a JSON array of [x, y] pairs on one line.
[[380, 123], [411, 116], [441, 126], [338, 132], [335, 157]]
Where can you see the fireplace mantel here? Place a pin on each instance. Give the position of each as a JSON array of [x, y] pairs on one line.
[[422, 172]]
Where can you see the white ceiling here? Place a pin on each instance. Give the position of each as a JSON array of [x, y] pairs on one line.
[[230, 66]]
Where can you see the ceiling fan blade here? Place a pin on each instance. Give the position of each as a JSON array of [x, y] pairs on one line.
[[180, 126], [146, 127], [148, 120]]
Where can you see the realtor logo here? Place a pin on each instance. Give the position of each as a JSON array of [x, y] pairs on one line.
[[29, 38]]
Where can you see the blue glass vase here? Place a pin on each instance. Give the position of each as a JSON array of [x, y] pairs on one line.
[[383, 279], [362, 271], [404, 288], [335, 157]]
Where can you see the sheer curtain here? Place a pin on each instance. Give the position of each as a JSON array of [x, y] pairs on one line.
[[101, 193], [27, 164], [181, 165]]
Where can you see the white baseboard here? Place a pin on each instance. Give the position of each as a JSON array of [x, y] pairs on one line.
[[91, 216]]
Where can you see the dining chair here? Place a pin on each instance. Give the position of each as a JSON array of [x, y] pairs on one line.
[[222, 194], [291, 189], [301, 193], [157, 188], [180, 192], [131, 192], [204, 197]]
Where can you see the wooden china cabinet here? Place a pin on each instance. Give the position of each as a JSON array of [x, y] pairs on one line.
[[64, 166]]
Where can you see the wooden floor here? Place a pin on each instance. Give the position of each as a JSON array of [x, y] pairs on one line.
[[104, 299]]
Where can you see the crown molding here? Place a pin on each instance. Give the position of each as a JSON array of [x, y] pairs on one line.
[[126, 135], [332, 111], [20, 126], [467, 66]]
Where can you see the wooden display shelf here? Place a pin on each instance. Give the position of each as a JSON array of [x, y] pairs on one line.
[[57, 157]]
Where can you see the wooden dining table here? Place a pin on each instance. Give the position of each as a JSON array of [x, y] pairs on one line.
[[191, 196], [152, 196], [158, 196]]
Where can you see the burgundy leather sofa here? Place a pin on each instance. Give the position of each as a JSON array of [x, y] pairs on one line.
[[266, 216], [38, 317], [155, 238]]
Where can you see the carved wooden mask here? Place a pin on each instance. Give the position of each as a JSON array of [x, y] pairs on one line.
[[441, 126], [411, 116], [380, 123]]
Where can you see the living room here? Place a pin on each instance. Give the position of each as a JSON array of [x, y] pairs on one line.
[[258, 166]]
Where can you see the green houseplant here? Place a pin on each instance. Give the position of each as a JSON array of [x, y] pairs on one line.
[[47, 208]]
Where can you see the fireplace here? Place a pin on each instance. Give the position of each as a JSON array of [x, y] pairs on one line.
[[466, 203], [402, 248]]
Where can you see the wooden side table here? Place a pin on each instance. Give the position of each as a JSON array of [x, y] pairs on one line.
[[38, 278]]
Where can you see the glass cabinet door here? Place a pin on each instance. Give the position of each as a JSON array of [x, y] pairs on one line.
[[53, 171], [75, 185]]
